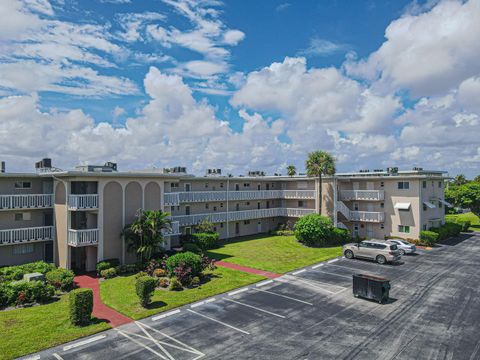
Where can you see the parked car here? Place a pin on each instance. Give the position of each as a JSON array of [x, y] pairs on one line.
[[403, 246], [378, 250]]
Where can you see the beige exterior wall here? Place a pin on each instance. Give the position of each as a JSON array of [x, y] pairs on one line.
[[39, 186], [61, 251], [112, 220], [8, 257]]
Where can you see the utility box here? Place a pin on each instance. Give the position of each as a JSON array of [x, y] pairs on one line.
[[371, 287], [34, 277]]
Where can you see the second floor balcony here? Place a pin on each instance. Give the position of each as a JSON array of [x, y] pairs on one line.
[[26, 201], [365, 195], [84, 237], [175, 229], [26, 235], [83, 202]]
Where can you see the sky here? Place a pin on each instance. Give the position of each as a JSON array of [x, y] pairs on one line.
[[240, 85]]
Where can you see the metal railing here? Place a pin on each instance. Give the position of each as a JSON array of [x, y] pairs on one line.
[[175, 229], [365, 216], [173, 199], [83, 202], [82, 237], [372, 195], [16, 236], [218, 217], [26, 201]]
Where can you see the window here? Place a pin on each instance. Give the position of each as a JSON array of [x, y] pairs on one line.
[[424, 207], [259, 187], [247, 203], [424, 184], [246, 185], [221, 225], [221, 205], [300, 203], [440, 184], [25, 216], [214, 208], [23, 249], [440, 204], [237, 207], [187, 210], [404, 229], [382, 205], [302, 185], [221, 185], [206, 206], [273, 185], [403, 185], [215, 228], [355, 206], [382, 226], [424, 226], [382, 184], [23, 185], [206, 185], [188, 230], [174, 185], [246, 222]]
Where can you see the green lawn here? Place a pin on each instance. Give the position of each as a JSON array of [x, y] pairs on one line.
[[28, 330], [119, 293], [278, 254], [474, 219]]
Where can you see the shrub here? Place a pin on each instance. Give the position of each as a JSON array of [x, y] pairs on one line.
[[107, 264], [465, 225], [204, 226], [108, 273], [447, 230], [15, 273], [340, 236], [206, 241], [145, 286], [207, 263], [24, 292], [140, 274], [185, 259], [163, 283], [6, 295], [192, 248], [284, 233], [195, 281], [175, 284], [151, 266], [60, 278], [313, 230], [428, 237], [159, 273], [81, 306]]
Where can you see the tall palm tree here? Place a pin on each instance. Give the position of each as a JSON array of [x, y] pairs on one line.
[[291, 170], [145, 234], [320, 163]]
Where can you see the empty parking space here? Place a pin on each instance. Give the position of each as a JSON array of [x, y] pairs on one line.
[[311, 314]]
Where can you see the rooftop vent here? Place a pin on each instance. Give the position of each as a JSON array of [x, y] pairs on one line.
[[214, 172], [378, 170], [256, 173], [107, 167], [175, 170], [417, 169], [364, 171], [2, 167], [44, 163], [392, 170]]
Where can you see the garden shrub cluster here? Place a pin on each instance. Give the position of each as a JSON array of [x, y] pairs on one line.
[[108, 273], [318, 230], [428, 238], [24, 292], [449, 229], [81, 306], [107, 264], [145, 286], [192, 248], [61, 279], [15, 273], [206, 241]]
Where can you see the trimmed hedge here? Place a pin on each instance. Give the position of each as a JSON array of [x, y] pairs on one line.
[[185, 259], [465, 225], [428, 237], [109, 273], [283, 232], [206, 241], [341, 236], [107, 264], [15, 273], [175, 284], [61, 279], [24, 292], [448, 230], [81, 306], [192, 248], [145, 286]]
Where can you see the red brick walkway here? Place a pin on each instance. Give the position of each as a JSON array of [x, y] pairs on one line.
[[100, 310], [247, 269]]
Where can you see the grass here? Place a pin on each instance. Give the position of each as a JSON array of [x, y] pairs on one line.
[[474, 219], [278, 254], [119, 293], [28, 330]]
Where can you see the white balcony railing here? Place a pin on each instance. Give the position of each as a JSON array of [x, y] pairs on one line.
[[175, 229], [367, 216], [84, 237], [83, 202], [370, 195], [217, 217], [173, 199], [25, 235], [26, 201]]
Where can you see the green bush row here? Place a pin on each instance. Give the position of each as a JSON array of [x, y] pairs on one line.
[[108, 273], [24, 292], [61, 279], [15, 273], [428, 238], [107, 264], [447, 230], [283, 232], [81, 306], [206, 241], [317, 230]]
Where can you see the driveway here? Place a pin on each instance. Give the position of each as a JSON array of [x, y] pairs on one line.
[[434, 313]]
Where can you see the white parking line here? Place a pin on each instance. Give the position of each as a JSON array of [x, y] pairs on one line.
[[314, 284], [237, 292], [56, 356], [285, 296], [142, 345], [256, 308], [331, 261], [329, 273], [84, 342], [263, 283], [298, 272], [220, 322], [210, 300], [355, 269], [34, 357], [317, 266], [155, 318]]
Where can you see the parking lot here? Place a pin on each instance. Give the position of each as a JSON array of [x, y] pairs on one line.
[[433, 313]]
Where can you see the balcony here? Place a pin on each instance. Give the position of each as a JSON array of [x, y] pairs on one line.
[[367, 216], [26, 235], [26, 201], [84, 237], [174, 199], [175, 230], [368, 195], [83, 202], [217, 217]]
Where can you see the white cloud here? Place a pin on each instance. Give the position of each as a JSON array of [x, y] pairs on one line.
[[323, 47], [283, 6], [233, 37]]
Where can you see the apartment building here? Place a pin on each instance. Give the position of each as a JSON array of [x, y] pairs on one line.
[[75, 218]]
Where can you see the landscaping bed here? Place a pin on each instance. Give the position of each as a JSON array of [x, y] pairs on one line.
[[278, 254], [474, 220]]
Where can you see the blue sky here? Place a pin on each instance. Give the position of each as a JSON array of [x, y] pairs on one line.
[[241, 85]]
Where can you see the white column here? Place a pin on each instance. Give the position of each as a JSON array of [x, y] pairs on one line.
[[335, 197], [68, 254], [101, 187], [123, 222]]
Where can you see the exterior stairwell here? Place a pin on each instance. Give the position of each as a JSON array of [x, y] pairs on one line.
[[343, 209]]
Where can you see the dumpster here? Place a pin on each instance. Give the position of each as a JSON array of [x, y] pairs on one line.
[[371, 287]]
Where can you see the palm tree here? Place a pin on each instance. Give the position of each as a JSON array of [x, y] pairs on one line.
[[320, 163], [291, 170], [145, 234]]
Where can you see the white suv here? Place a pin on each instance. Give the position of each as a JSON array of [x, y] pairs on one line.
[[378, 250]]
